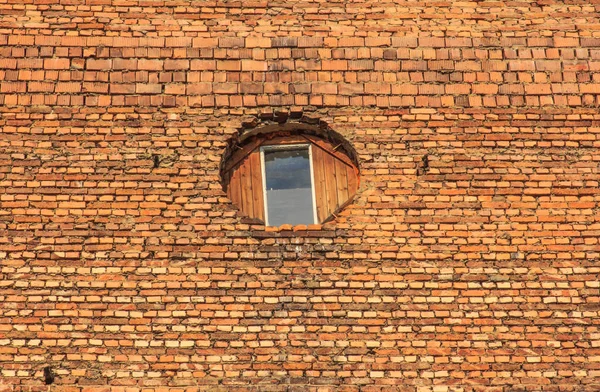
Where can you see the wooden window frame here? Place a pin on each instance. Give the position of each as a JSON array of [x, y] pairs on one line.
[[318, 148], [284, 147]]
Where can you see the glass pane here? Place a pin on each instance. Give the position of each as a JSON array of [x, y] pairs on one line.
[[289, 187]]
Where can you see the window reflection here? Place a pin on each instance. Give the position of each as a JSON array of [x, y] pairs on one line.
[[288, 186]]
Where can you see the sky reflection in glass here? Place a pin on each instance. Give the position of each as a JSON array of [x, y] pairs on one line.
[[289, 187]]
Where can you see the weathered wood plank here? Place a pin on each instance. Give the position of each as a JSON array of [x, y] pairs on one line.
[[246, 187], [238, 156], [329, 149], [341, 177], [330, 183], [256, 185], [234, 188], [283, 140], [353, 181], [320, 184]]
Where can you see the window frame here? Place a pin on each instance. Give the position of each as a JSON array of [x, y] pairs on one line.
[[284, 147], [335, 174]]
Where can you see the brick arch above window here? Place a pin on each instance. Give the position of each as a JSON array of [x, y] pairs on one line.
[[290, 178]]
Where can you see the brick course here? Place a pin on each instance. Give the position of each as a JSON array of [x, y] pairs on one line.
[[469, 260]]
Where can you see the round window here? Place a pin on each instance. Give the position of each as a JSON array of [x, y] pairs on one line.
[[286, 178]]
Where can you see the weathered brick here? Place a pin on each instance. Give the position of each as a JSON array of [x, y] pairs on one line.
[[150, 65], [253, 65], [57, 63], [310, 42], [258, 42], [284, 42], [199, 88], [465, 260], [128, 64], [98, 64], [171, 65], [231, 42]]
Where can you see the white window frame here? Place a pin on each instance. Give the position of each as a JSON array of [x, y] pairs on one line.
[[284, 147]]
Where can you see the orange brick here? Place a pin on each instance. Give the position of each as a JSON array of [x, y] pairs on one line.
[[98, 64], [56, 63], [465, 258]]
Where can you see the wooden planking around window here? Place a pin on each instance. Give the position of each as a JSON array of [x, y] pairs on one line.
[[352, 175], [330, 182], [245, 187], [327, 147], [257, 186], [335, 182], [335, 177], [238, 156], [320, 183], [234, 190], [341, 177], [282, 140]]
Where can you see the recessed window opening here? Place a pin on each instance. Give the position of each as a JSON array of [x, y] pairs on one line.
[[289, 185], [290, 178]]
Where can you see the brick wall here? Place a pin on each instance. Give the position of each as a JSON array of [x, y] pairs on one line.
[[469, 260]]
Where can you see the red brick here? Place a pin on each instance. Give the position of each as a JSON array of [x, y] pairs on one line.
[[57, 63], [178, 42], [324, 88], [150, 65], [258, 42], [202, 42], [70, 87], [466, 259], [21, 39], [253, 65], [310, 42], [148, 88], [128, 64], [199, 88], [334, 65], [13, 87], [284, 42], [203, 65], [98, 64], [8, 63], [225, 88], [231, 42], [40, 87], [170, 65], [566, 42], [128, 88], [485, 88]]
